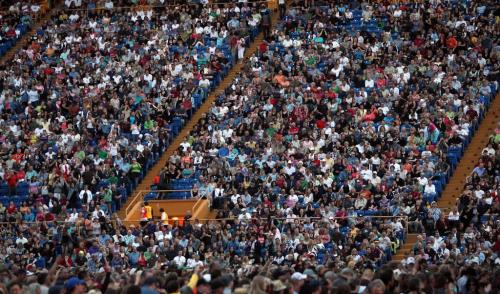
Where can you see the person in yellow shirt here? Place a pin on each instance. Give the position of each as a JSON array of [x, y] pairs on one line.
[[149, 211]]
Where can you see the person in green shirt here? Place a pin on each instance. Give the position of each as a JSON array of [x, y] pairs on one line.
[[135, 170], [107, 196], [148, 124]]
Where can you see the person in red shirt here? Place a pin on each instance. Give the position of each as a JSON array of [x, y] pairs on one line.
[[20, 175], [65, 261], [451, 42], [11, 179], [263, 47], [496, 247], [320, 124], [12, 208], [18, 156]]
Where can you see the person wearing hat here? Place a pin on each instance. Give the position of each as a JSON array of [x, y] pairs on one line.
[[298, 280], [410, 264], [279, 286], [75, 286]]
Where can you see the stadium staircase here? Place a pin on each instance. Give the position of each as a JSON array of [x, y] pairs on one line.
[[464, 168], [470, 158], [136, 196], [47, 13]]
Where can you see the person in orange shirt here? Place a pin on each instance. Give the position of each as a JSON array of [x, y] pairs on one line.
[[281, 79]]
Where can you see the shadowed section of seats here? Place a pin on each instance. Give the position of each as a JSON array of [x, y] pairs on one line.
[[470, 158], [464, 168], [23, 41]]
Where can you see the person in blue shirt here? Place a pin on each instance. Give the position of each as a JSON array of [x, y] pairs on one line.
[[133, 257], [104, 238]]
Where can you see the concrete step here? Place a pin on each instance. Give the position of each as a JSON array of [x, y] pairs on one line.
[[21, 43], [464, 168]]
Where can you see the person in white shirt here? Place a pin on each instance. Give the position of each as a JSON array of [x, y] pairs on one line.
[[76, 3], [369, 83], [454, 217], [489, 150], [164, 217], [85, 195], [429, 192], [73, 216], [180, 260], [109, 5], [194, 262], [289, 169], [21, 240]]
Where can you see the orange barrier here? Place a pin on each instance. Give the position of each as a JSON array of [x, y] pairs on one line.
[[131, 206]]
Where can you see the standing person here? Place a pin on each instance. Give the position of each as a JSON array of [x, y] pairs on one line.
[[135, 171], [146, 212], [149, 211], [164, 216], [241, 49], [282, 8], [266, 23]]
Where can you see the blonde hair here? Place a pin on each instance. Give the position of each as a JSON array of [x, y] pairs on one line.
[[259, 285]]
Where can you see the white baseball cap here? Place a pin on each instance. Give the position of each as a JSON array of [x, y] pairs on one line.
[[410, 260], [298, 276]]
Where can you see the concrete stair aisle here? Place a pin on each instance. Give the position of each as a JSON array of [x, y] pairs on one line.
[[21, 43], [405, 250], [471, 157], [464, 168], [145, 184]]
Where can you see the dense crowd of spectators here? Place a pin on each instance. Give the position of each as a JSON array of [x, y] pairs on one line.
[[346, 122], [88, 106], [158, 4], [337, 135], [16, 17]]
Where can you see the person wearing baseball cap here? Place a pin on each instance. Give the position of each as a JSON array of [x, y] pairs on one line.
[[75, 286], [297, 281]]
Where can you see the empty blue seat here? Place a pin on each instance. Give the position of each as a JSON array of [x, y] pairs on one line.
[[22, 189], [4, 189], [150, 196]]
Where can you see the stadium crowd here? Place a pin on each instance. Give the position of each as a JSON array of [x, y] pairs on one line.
[[16, 17], [337, 135], [61, 145]]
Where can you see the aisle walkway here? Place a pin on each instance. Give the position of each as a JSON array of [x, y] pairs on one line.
[[471, 157], [27, 37], [464, 168], [135, 197]]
